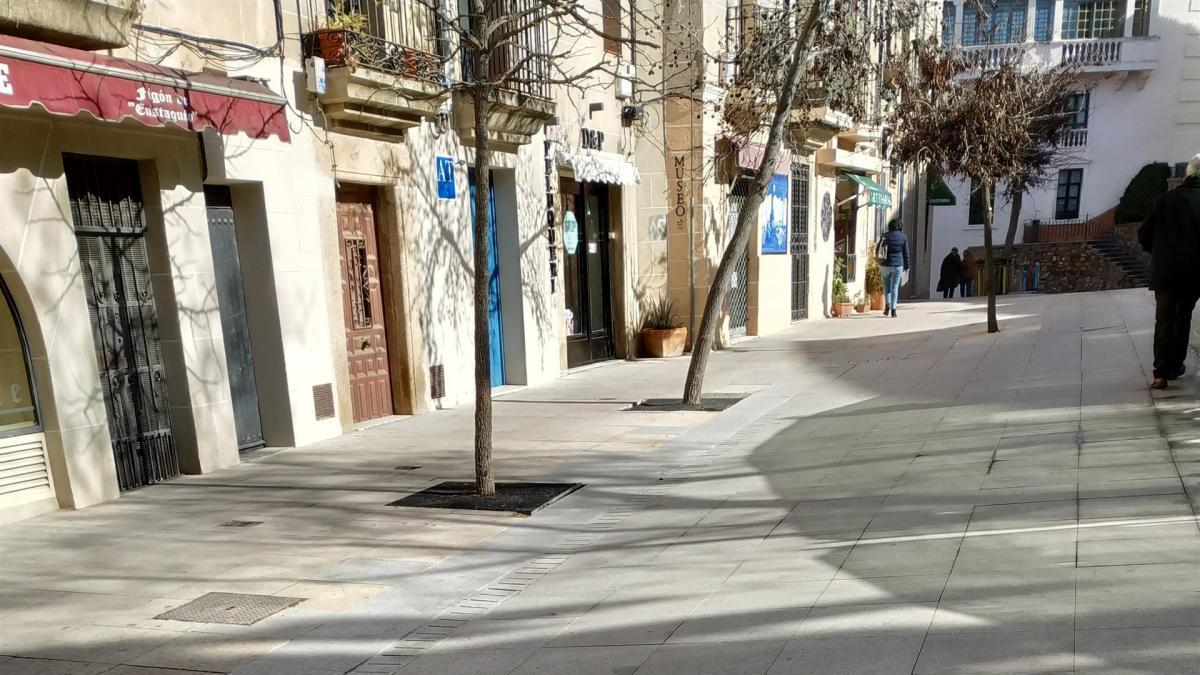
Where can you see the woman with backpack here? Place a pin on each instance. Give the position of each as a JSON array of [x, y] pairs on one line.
[[892, 253]]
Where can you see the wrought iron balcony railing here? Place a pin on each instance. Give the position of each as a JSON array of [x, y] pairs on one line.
[[399, 37], [521, 65]]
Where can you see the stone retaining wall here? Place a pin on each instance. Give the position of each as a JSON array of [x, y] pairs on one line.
[[1071, 267]]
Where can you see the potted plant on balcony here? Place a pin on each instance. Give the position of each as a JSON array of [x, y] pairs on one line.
[[841, 294], [874, 283], [662, 335], [860, 303], [330, 38]]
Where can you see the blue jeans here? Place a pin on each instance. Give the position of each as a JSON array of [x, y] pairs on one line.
[[891, 286], [966, 287]]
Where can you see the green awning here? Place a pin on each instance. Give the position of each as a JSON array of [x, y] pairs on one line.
[[876, 195], [939, 193]]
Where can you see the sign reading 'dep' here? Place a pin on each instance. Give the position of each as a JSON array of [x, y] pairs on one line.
[[570, 232], [445, 177]]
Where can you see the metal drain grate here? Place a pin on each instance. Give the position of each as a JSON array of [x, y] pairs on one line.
[[237, 609], [715, 402], [241, 523]]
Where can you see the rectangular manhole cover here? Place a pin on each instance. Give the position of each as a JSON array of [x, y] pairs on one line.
[[238, 609], [708, 403], [524, 498]]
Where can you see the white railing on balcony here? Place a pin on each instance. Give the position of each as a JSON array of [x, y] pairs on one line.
[[1073, 138], [1092, 52], [992, 56], [1096, 56]]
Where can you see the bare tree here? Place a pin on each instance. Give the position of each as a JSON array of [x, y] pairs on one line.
[[514, 52], [990, 120], [808, 54]]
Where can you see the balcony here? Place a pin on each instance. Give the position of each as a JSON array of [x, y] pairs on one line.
[[1122, 56], [812, 130], [83, 24], [520, 69], [1073, 138], [382, 75], [847, 160]]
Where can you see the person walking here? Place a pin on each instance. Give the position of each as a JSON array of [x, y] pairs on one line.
[[951, 269], [966, 282], [893, 264], [1171, 235]]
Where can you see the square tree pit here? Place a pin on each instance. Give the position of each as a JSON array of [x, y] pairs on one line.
[[524, 498]]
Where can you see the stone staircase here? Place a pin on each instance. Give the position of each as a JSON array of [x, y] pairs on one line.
[[1129, 262]]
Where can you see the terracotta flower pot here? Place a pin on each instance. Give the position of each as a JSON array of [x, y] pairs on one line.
[[664, 343], [877, 301], [330, 45], [861, 309], [842, 308]]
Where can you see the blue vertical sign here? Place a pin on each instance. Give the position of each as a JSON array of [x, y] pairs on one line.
[[445, 178], [774, 236]]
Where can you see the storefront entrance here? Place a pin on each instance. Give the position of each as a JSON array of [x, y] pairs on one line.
[[110, 227], [739, 286], [799, 241], [495, 316], [588, 319], [362, 295]]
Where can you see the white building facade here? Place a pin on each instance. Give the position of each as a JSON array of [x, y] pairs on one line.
[[1138, 103]]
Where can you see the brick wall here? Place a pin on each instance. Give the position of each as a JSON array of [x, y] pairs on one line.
[[1071, 267]]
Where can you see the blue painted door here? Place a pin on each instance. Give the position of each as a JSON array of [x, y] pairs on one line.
[[495, 322]]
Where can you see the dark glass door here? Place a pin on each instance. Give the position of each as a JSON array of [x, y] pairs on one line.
[[586, 257]]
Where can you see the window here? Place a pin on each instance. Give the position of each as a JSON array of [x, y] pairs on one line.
[[612, 25], [1070, 184], [949, 15], [1090, 19], [976, 216], [994, 22], [1043, 21], [1141, 18], [18, 407], [1078, 101]]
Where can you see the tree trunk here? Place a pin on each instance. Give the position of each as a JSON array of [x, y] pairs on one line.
[[719, 284], [481, 94], [1017, 201], [985, 186]]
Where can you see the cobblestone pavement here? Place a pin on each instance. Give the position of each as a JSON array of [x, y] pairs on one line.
[[902, 495]]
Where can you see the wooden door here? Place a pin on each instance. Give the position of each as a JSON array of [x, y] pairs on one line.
[[362, 296]]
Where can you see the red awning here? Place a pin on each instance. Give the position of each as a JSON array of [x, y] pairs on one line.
[[70, 81], [750, 157]]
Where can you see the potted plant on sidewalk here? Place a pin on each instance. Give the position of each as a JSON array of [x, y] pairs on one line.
[[860, 303], [874, 283], [662, 334], [841, 294]]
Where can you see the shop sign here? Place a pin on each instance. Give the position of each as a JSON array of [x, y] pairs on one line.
[[445, 178], [570, 233]]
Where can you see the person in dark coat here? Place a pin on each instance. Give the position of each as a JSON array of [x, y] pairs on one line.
[[966, 281], [894, 249], [1171, 235], [951, 274]]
